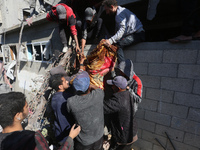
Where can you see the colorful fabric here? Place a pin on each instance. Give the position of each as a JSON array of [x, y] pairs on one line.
[[100, 62]]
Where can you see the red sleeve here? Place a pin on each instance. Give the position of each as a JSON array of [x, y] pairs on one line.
[[40, 141], [72, 24], [73, 30], [139, 82], [48, 17]]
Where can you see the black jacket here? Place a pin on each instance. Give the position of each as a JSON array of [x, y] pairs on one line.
[[123, 122]]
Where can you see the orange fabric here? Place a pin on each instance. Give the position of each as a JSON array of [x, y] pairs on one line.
[[100, 62]]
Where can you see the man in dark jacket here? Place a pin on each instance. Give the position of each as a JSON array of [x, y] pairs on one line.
[[62, 119], [121, 108], [91, 27]]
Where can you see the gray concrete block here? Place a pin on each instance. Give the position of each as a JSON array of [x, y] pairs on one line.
[[149, 136], [174, 84], [173, 133], [150, 81], [130, 54], [186, 125], [194, 114], [164, 70], [159, 95], [148, 105], [140, 68], [180, 146], [173, 110], [189, 100], [158, 118], [189, 71], [196, 88], [198, 59], [139, 133], [149, 56], [146, 125], [140, 114], [143, 144], [156, 147], [180, 56], [192, 139]]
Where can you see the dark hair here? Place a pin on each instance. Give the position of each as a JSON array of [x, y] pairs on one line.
[[109, 3], [10, 104], [55, 81]]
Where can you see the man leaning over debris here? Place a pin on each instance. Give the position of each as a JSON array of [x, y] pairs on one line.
[[87, 108], [13, 109], [66, 18], [129, 29], [91, 27]]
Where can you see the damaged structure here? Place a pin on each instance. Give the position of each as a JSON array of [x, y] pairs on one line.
[[170, 72]]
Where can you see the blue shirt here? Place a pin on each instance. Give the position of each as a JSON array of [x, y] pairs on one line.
[[63, 120]]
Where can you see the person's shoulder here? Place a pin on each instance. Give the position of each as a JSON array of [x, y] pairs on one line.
[[98, 90]]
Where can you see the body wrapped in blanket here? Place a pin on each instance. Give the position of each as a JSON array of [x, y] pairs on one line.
[[100, 61]]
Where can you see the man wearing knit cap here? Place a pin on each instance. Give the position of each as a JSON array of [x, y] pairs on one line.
[[92, 26], [66, 18], [121, 109], [87, 108]]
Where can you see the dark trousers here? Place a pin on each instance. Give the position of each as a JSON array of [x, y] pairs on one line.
[[98, 145], [127, 41], [190, 10]]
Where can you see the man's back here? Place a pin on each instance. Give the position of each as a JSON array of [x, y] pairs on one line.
[[121, 106], [88, 112]]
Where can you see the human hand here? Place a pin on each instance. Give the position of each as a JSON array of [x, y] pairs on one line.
[[78, 50], [82, 58], [29, 21], [74, 131], [106, 42]]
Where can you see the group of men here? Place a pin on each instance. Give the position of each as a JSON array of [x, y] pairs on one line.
[[78, 101], [128, 28], [81, 109]]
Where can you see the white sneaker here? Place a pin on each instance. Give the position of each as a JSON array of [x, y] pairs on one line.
[[65, 49]]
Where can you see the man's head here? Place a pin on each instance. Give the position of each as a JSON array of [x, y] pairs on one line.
[[58, 82], [110, 6], [13, 107], [61, 12], [119, 81], [89, 14], [82, 82]]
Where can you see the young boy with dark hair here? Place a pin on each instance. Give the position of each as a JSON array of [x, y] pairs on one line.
[[13, 109]]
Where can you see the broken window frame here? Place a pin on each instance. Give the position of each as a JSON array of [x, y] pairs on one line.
[[34, 54]]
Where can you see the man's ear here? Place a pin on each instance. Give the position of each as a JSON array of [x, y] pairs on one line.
[[18, 116], [60, 87]]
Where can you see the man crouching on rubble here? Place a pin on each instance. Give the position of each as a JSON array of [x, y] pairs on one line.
[[13, 109]]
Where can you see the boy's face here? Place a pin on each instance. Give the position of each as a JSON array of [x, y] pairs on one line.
[[65, 83]]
